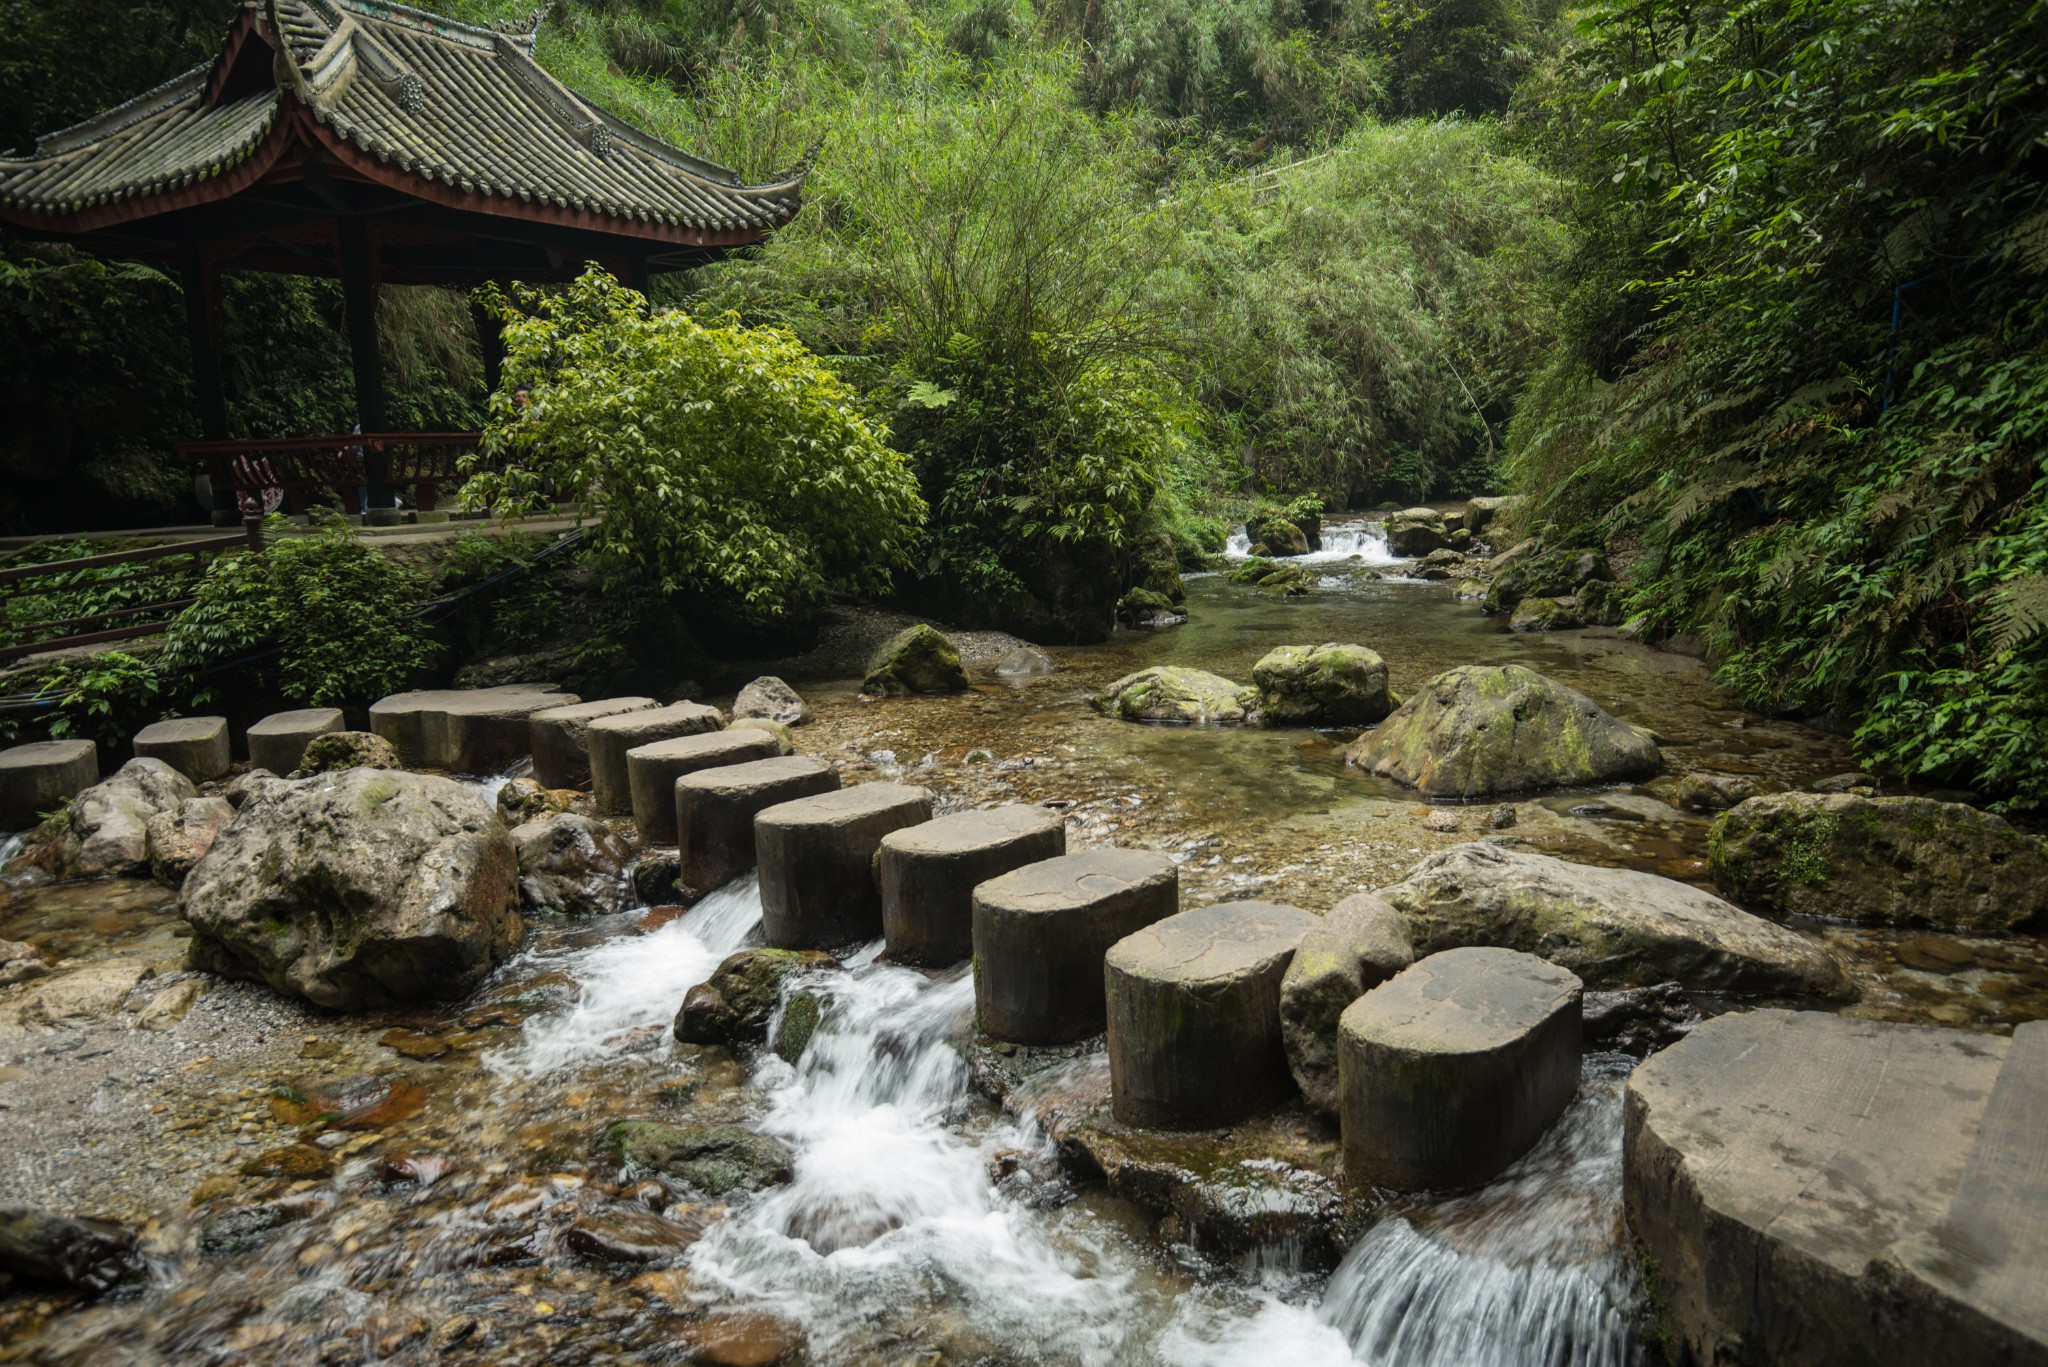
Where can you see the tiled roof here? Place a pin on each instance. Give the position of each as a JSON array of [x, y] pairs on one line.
[[402, 94]]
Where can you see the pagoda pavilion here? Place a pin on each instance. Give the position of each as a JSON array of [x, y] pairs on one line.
[[372, 142]]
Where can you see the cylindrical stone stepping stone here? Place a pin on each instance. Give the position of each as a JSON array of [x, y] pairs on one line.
[[467, 730], [929, 874], [1040, 934], [652, 771], [1450, 1070], [561, 756], [279, 741], [1194, 1015], [818, 886], [609, 738], [715, 811], [196, 747], [35, 777]]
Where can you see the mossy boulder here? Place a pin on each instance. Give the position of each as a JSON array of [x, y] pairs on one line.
[[1276, 536], [917, 659], [1416, 532], [1285, 581], [1325, 685], [346, 750], [1545, 614], [1525, 571], [715, 1159], [1889, 860], [1484, 729], [1360, 944], [1143, 607], [1702, 791], [736, 1003], [1172, 693]]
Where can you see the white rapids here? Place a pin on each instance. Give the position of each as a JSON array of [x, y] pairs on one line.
[[1362, 542]]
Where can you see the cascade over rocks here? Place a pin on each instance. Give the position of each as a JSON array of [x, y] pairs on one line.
[[358, 889], [1354, 948], [917, 659], [571, 864], [1173, 693], [1881, 859], [105, 831], [1482, 729], [1612, 927], [1325, 685]]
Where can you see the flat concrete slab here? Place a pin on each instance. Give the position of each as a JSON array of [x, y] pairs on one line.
[[1194, 1014], [196, 747], [1041, 932], [652, 771], [1451, 1069], [1788, 1172], [607, 740], [35, 777], [818, 884], [715, 811], [561, 755], [929, 874], [279, 741], [464, 730]]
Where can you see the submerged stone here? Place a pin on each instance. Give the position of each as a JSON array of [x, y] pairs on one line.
[[714, 1159], [91, 1255]]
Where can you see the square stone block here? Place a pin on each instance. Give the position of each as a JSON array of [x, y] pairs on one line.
[[196, 747], [715, 811], [279, 741], [609, 738], [929, 874], [35, 777], [560, 741], [818, 884], [652, 771]]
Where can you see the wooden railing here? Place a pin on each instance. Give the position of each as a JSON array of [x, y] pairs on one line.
[[274, 476], [21, 583]]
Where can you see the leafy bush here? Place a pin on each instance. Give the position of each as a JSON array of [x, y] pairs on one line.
[[104, 698], [728, 464]]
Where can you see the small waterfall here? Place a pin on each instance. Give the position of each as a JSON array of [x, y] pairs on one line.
[[1362, 541]]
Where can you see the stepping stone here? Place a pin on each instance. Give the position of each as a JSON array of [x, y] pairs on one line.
[[196, 747], [1830, 1191], [1450, 1070], [35, 777], [715, 811], [1040, 934], [652, 771], [279, 741], [561, 757], [609, 738], [1194, 1015], [929, 874], [818, 887], [464, 730]]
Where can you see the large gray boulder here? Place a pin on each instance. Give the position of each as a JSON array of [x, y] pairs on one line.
[[1416, 532], [1325, 685], [180, 839], [771, 698], [358, 889], [571, 864], [1881, 859], [1357, 946], [105, 831], [1612, 927], [1482, 729], [1173, 693], [917, 659]]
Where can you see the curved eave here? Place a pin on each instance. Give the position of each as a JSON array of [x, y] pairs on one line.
[[194, 189]]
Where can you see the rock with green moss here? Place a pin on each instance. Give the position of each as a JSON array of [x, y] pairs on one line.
[[1173, 693], [1888, 860], [1484, 729], [358, 889], [799, 1022], [1416, 532], [1544, 614], [715, 1159], [736, 1003], [917, 659], [1325, 685], [1358, 945], [346, 750], [1143, 607], [1276, 536], [1282, 581], [1703, 791], [1612, 927]]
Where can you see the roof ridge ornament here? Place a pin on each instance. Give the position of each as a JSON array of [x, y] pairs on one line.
[[526, 30]]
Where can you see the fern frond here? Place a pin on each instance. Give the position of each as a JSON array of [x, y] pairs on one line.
[[2019, 611]]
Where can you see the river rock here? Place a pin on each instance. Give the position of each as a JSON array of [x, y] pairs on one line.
[[91, 1255], [817, 857], [770, 697], [358, 889], [785, 738], [1416, 532], [21, 962], [1881, 859], [1613, 927], [735, 1004], [1545, 614], [1829, 1191], [715, 1159], [1702, 791], [522, 800], [1325, 685], [1450, 1070], [1480, 513], [1193, 1006], [89, 993], [744, 1338], [915, 660], [1024, 662], [279, 741], [35, 777], [1277, 537], [1478, 730], [626, 1234], [179, 839], [560, 740], [333, 751], [571, 864], [929, 873], [1174, 693], [105, 831], [1359, 945]]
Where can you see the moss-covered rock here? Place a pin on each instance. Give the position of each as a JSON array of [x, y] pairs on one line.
[[1710, 792], [1889, 860], [1277, 536], [1416, 532], [715, 1159], [1480, 729], [1171, 693], [346, 750], [1360, 944], [1287, 581], [1325, 685], [1544, 614], [735, 1005], [1146, 608], [917, 659]]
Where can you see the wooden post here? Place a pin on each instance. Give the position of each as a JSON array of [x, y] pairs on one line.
[[639, 276], [490, 335], [359, 303]]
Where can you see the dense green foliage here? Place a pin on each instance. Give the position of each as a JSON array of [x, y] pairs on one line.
[[1808, 371]]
